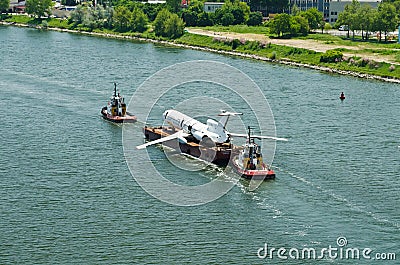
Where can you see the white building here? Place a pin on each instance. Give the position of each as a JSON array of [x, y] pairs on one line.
[[337, 6], [212, 6]]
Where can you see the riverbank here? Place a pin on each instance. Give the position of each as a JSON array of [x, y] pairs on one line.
[[211, 45], [318, 42]]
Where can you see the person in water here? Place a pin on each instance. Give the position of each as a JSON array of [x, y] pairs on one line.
[[342, 96]]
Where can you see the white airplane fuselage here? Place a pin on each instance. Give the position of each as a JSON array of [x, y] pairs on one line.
[[213, 129]]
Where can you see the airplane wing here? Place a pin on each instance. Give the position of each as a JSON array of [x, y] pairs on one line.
[[258, 137], [178, 135]]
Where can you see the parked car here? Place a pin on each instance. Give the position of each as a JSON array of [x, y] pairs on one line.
[[343, 28]]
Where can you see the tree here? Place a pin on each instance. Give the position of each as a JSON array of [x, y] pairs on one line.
[[122, 18], [220, 12], [196, 6], [174, 27], [227, 19], [397, 6], [314, 18], [94, 17], [245, 9], [168, 25], [349, 17], [240, 12], [280, 24], [109, 14], [386, 19], [4, 4], [295, 10], [238, 15], [151, 10], [159, 22], [255, 19], [366, 16], [190, 17], [194, 13], [78, 14], [173, 5], [138, 20], [298, 25], [38, 8], [89, 19], [204, 19], [322, 26]]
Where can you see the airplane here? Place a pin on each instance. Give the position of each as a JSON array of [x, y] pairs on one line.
[[211, 131]]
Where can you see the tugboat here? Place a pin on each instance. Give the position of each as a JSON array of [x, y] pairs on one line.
[[249, 162], [115, 111]]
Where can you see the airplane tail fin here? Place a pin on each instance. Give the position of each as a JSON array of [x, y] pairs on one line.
[[225, 116]]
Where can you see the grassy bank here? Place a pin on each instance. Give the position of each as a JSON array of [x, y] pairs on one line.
[[280, 52], [239, 29], [277, 53]]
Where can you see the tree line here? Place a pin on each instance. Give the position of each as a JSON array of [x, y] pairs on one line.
[[129, 18], [231, 13], [298, 23], [169, 19], [384, 19]]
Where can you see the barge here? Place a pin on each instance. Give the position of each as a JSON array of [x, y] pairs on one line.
[[219, 154]]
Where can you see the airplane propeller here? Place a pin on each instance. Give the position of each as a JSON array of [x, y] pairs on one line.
[[249, 136]]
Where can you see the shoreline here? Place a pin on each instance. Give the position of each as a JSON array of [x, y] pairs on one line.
[[223, 52]]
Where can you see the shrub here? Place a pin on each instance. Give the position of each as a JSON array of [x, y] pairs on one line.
[[327, 26], [362, 62], [273, 55], [227, 19], [253, 45], [168, 25], [373, 65], [255, 19], [235, 43], [331, 56], [391, 68], [263, 44], [45, 24]]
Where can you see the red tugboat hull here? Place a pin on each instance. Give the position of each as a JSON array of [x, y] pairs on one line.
[[219, 155], [257, 174], [128, 118]]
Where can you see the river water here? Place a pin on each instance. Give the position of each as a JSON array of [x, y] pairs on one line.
[[67, 195]]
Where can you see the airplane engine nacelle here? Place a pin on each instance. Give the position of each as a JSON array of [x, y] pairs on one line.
[[212, 126]]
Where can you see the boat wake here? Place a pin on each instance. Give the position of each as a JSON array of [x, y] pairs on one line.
[[341, 199]]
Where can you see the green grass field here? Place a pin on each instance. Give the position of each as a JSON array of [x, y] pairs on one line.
[[293, 54], [239, 29]]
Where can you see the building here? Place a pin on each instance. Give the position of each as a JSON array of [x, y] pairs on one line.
[[330, 8], [337, 6], [303, 5], [212, 6], [17, 6]]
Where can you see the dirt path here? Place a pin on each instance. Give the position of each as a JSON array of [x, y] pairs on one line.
[[314, 45]]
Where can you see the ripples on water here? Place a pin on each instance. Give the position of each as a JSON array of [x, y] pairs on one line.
[[66, 194]]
